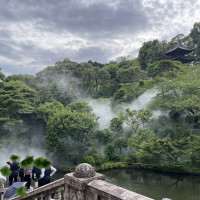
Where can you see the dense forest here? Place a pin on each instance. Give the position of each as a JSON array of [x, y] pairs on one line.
[[50, 110]]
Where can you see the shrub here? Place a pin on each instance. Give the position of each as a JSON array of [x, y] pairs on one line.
[[88, 159], [141, 82]]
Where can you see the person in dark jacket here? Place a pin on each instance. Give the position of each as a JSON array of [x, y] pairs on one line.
[[46, 174], [36, 172], [21, 174], [14, 167]]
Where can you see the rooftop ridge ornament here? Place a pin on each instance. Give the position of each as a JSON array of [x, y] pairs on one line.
[[178, 40]]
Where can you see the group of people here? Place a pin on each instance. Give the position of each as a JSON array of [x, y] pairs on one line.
[[40, 176]]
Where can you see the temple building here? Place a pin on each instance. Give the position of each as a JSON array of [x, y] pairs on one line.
[[179, 53]]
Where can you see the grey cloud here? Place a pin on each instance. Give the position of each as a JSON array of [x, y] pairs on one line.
[[73, 16], [96, 23], [42, 58], [91, 53], [7, 49]]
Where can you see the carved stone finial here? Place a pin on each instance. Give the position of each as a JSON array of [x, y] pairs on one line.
[[84, 170]]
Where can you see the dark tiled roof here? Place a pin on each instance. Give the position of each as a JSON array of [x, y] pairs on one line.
[[179, 48]]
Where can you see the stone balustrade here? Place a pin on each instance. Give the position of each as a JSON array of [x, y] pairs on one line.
[[83, 184]]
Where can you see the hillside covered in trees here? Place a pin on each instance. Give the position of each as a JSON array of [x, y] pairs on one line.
[[51, 108]]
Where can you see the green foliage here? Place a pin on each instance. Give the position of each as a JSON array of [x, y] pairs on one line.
[[88, 159], [150, 52], [121, 143], [181, 94], [47, 109], [14, 158], [193, 41], [126, 62], [130, 75], [81, 107], [116, 125], [142, 135], [103, 136], [70, 127], [164, 68], [110, 151], [148, 84], [134, 118], [112, 69], [69, 132], [17, 105], [6, 171], [141, 82], [16, 98], [120, 95], [21, 191], [2, 76]]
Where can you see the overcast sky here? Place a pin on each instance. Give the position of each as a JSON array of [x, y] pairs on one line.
[[35, 34]]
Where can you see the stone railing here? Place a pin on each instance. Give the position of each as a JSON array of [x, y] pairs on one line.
[[83, 184], [45, 191]]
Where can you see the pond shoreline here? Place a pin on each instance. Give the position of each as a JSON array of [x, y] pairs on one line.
[[170, 169]]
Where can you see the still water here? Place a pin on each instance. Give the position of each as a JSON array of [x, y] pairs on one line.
[[154, 185]]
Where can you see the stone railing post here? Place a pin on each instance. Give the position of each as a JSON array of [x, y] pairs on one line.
[[76, 182]]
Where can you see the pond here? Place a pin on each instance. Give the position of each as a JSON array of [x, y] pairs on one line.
[[153, 184]]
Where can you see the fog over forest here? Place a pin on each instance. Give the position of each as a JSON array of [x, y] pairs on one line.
[[142, 110]]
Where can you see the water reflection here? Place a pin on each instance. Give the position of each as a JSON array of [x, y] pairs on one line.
[[156, 185]]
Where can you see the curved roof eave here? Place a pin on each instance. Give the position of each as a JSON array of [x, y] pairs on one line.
[[179, 47]]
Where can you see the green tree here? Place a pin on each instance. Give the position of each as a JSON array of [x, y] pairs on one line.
[[194, 41], [88, 77], [103, 136], [88, 159], [112, 69], [150, 52], [130, 75], [135, 119], [163, 68], [121, 143], [116, 125], [110, 151], [70, 132], [181, 94], [103, 77], [142, 135], [62, 92], [17, 105], [16, 99], [2, 76], [46, 110]]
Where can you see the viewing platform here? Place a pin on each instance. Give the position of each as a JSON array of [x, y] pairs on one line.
[[83, 184]]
